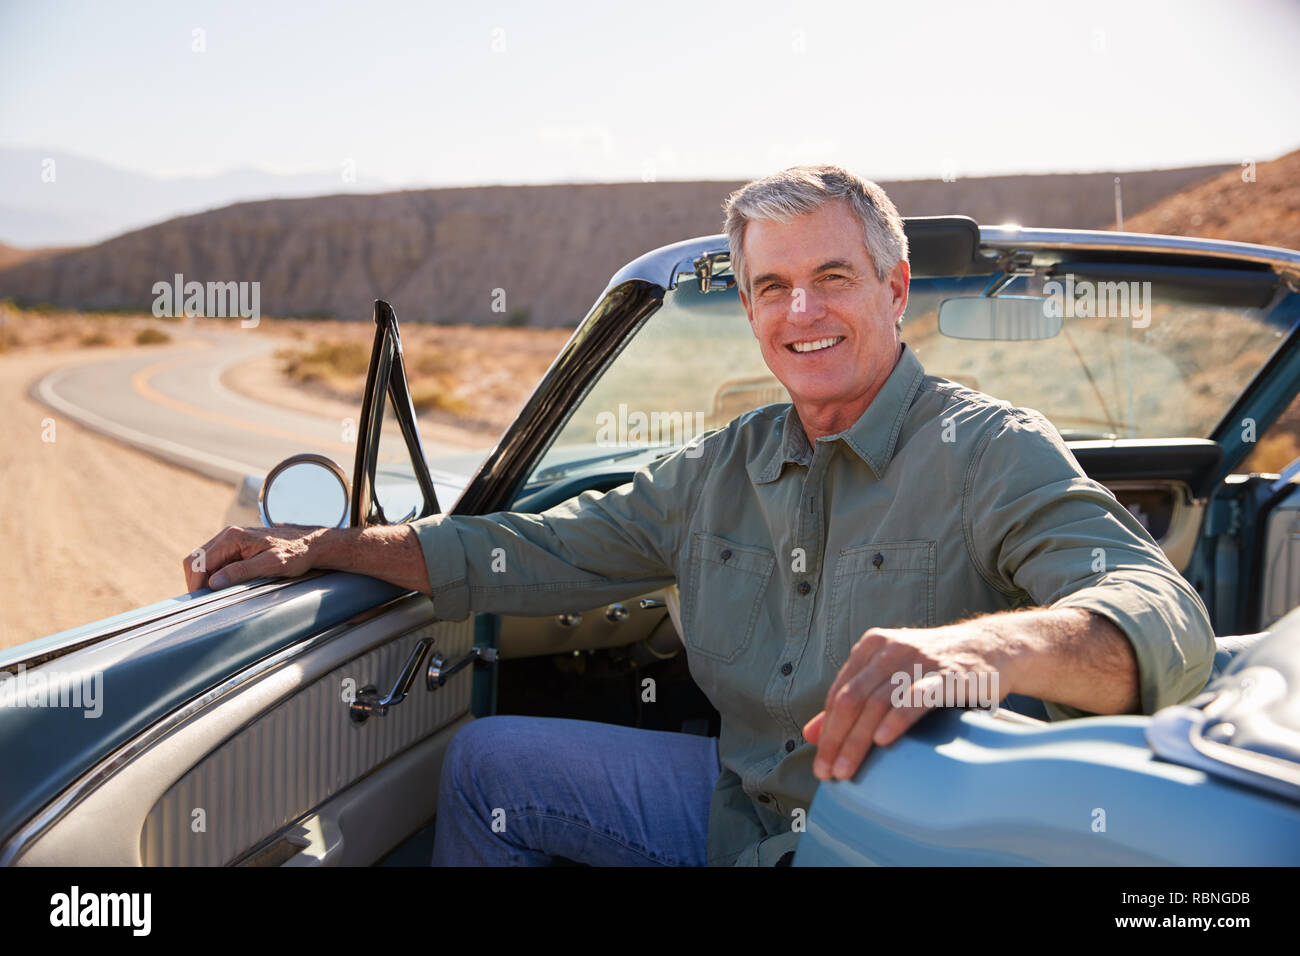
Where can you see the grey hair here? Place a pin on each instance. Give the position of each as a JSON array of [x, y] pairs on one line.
[[803, 189]]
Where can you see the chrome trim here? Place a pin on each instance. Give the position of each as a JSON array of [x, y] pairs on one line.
[[1014, 237], [440, 671], [92, 779], [662, 266], [1287, 475], [208, 603], [1176, 734], [704, 268], [369, 702]]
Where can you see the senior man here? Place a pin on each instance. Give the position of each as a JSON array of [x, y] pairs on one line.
[[884, 523]]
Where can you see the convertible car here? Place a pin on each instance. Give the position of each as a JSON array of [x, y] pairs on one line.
[[303, 722]]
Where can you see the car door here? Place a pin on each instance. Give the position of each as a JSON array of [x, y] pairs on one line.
[[281, 722]]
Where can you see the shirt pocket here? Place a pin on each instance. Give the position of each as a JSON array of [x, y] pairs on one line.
[[727, 586], [884, 584]]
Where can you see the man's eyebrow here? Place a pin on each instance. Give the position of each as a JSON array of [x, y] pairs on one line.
[[841, 264]]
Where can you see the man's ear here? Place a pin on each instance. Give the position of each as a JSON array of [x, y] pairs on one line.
[[899, 280]]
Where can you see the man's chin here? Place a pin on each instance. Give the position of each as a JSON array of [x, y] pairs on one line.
[[809, 384], [815, 394]]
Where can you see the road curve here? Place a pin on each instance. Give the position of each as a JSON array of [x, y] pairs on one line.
[[170, 402]]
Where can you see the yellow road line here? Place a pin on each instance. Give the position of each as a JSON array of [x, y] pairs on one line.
[[140, 385]]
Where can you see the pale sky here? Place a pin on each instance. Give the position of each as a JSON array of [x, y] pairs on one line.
[[419, 94]]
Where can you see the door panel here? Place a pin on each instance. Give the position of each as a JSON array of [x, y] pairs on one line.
[[267, 752], [155, 671], [1165, 483], [1280, 564], [1168, 512]]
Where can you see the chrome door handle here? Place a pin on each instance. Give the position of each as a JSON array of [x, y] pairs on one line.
[[439, 671], [369, 702]]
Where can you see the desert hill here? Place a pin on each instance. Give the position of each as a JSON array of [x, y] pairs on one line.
[[441, 254], [1232, 205]]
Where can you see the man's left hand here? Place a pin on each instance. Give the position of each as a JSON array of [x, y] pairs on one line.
[[876, 695]]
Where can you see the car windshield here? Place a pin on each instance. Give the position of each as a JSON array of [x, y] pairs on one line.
[[1169, 370]]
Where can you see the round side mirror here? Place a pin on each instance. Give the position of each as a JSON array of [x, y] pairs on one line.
[[305, 490]]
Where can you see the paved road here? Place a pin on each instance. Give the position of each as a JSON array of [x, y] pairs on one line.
[[171, 403]]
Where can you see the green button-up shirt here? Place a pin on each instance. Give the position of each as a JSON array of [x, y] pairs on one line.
[[940, 502]]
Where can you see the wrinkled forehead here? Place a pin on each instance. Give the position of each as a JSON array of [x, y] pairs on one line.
[[805, 243]]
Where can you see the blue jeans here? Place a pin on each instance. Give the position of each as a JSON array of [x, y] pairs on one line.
[[520, 791]]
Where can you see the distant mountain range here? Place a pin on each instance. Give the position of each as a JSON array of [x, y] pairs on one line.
[[51, 198], [534, 254]]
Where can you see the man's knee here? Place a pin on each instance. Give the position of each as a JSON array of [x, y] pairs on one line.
[[488, 744]]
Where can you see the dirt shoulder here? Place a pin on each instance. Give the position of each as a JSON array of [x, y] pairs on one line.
[[91, 528]]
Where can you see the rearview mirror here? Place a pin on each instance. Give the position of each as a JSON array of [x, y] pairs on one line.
[[1004, 318], [305, 490]]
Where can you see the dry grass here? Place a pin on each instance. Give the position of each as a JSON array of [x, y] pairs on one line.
[[332, 363], [439, 396], [50, 329], [151, 337], [472, 376]]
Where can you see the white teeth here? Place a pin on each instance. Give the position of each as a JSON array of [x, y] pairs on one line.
[[817, 344]]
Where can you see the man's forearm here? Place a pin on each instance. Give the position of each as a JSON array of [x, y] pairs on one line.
[[1069, 656], [389, 552]]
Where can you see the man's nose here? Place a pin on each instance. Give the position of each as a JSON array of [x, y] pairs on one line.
[[806, 306]]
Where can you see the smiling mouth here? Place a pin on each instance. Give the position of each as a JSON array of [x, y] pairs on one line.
[[815, 345]]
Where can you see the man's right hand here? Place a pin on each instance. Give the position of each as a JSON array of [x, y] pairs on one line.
[[388, 552], [237, 555]]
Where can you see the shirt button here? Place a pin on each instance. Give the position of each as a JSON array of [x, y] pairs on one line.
[[786, 668], [726, 554], [789, 746], [804, 587]]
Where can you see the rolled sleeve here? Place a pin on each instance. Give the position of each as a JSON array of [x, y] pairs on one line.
[[1045, 534], [1167, 626], [444, 557]]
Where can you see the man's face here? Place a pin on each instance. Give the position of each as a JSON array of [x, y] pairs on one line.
[[826, 325]]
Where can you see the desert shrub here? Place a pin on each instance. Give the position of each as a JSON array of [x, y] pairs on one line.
[[151, 337], [325, 362], [437, 396]]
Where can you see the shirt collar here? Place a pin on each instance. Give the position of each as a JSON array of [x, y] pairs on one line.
[[872, 436]]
